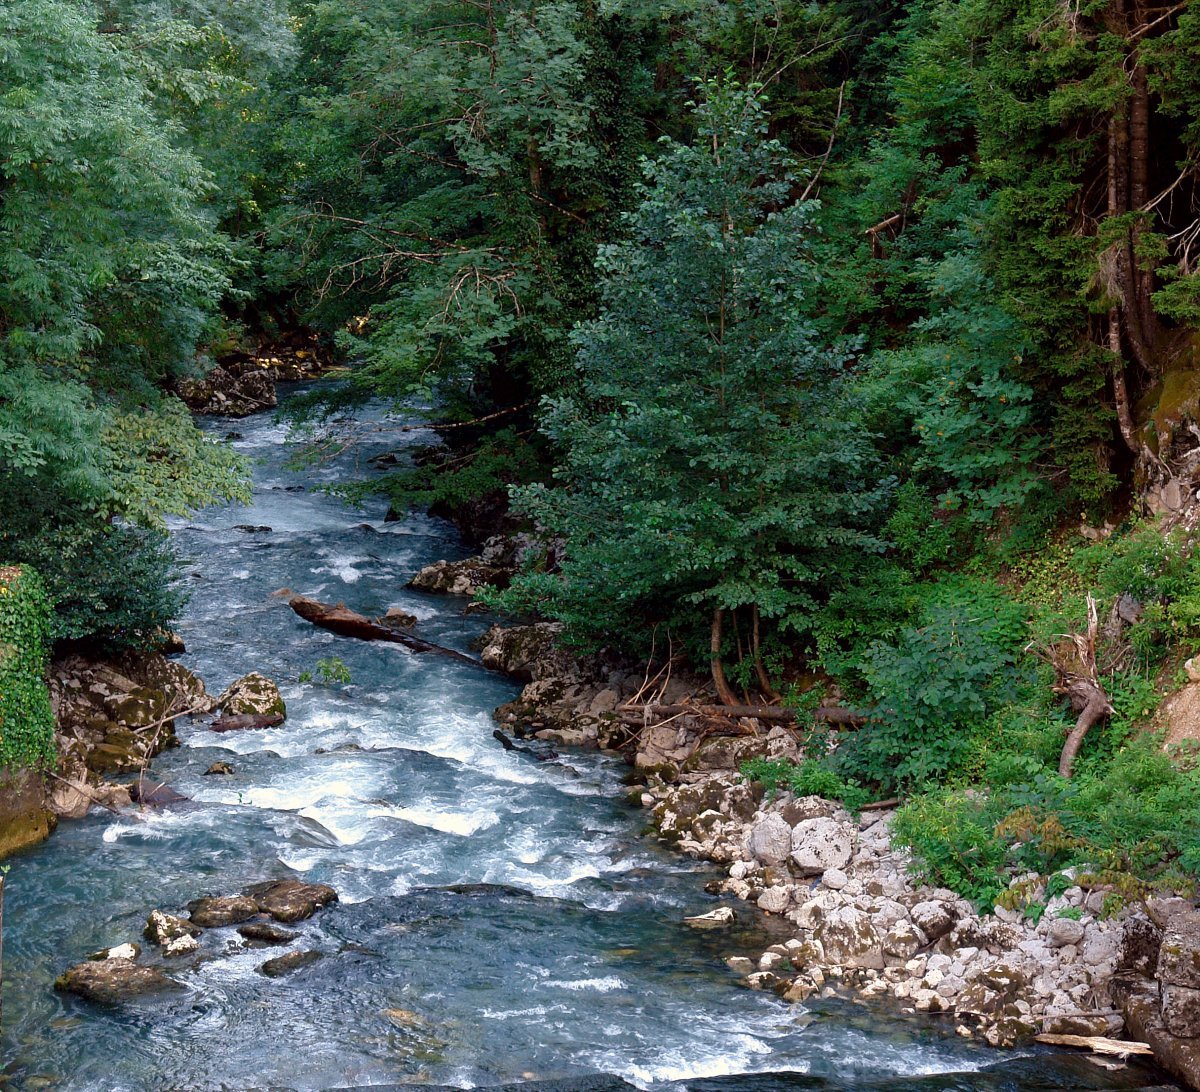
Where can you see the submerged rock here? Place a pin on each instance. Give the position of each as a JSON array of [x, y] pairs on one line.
[[243, 722], [111, 981], [253, 695], [263, 932], [290, 900], [286, 964], [216, 912], [537, 749], [154, 796]]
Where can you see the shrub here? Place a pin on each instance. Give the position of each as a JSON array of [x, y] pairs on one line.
[[26, 718], [112, 587], [953, 837], [806, 779], [934, 689]]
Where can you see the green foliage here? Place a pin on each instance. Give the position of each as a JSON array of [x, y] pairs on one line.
[[706, 461], [931, 692], [449, 479], [329, 671], [952, 835], [26, 718], [805, 779], [1129, 817], [113, 272]]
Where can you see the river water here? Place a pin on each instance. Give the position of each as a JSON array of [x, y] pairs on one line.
[[499, 920]]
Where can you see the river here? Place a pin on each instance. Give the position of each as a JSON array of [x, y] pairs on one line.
[[561, 957]]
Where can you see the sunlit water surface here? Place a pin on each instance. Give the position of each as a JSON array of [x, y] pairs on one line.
[[572, 963]]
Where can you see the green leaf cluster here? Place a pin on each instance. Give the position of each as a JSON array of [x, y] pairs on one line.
[[26, 718]]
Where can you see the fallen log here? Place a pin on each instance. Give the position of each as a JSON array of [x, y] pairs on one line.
[[829, 714], [1097, 1044], [242, 722], [344, 622]]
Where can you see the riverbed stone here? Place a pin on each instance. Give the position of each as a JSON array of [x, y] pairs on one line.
[[287, 964], [1064, 931], [252, 694], [1179, 952], [934, 918], [291, 900], [214, 913], [722, 917], [775, 900], [111, 981], [1181, 1011], [849, 939]]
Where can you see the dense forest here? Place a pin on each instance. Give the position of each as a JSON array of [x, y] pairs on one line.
[[852, 348]]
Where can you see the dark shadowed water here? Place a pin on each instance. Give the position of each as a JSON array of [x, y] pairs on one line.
[[500, 920]]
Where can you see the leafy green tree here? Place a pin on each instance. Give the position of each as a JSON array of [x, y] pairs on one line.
[[709, 464], [112, 274]]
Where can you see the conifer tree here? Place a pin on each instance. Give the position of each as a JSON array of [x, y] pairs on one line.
[[709, 467]]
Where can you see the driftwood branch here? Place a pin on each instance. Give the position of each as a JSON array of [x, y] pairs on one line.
[[1097, 1044], [348, 623], [1078, 679]]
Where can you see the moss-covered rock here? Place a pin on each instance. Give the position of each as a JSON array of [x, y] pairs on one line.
[[253, 694], [25, 820]]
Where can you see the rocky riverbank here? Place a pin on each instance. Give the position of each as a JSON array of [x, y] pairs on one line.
[[112, 717], [243, 381], [1079, 964]]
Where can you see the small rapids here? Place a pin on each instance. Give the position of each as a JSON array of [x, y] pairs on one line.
[[500, 920]]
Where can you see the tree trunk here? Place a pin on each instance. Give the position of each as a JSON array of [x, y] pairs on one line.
[[1093, 705], [764, 680], [725, 694], [1139, 195], [1120, 388]]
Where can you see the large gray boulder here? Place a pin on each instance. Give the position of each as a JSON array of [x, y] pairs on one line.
[[820, 844], [770, 839]]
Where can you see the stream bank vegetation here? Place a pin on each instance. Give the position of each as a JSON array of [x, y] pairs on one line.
[[853, 346]]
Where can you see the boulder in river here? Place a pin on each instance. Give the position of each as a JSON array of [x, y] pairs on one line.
[[252, 695], [236, 388], [286, 964], [174, 935], [217, 912], [290, 900], [218, 768], [111, 981]]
